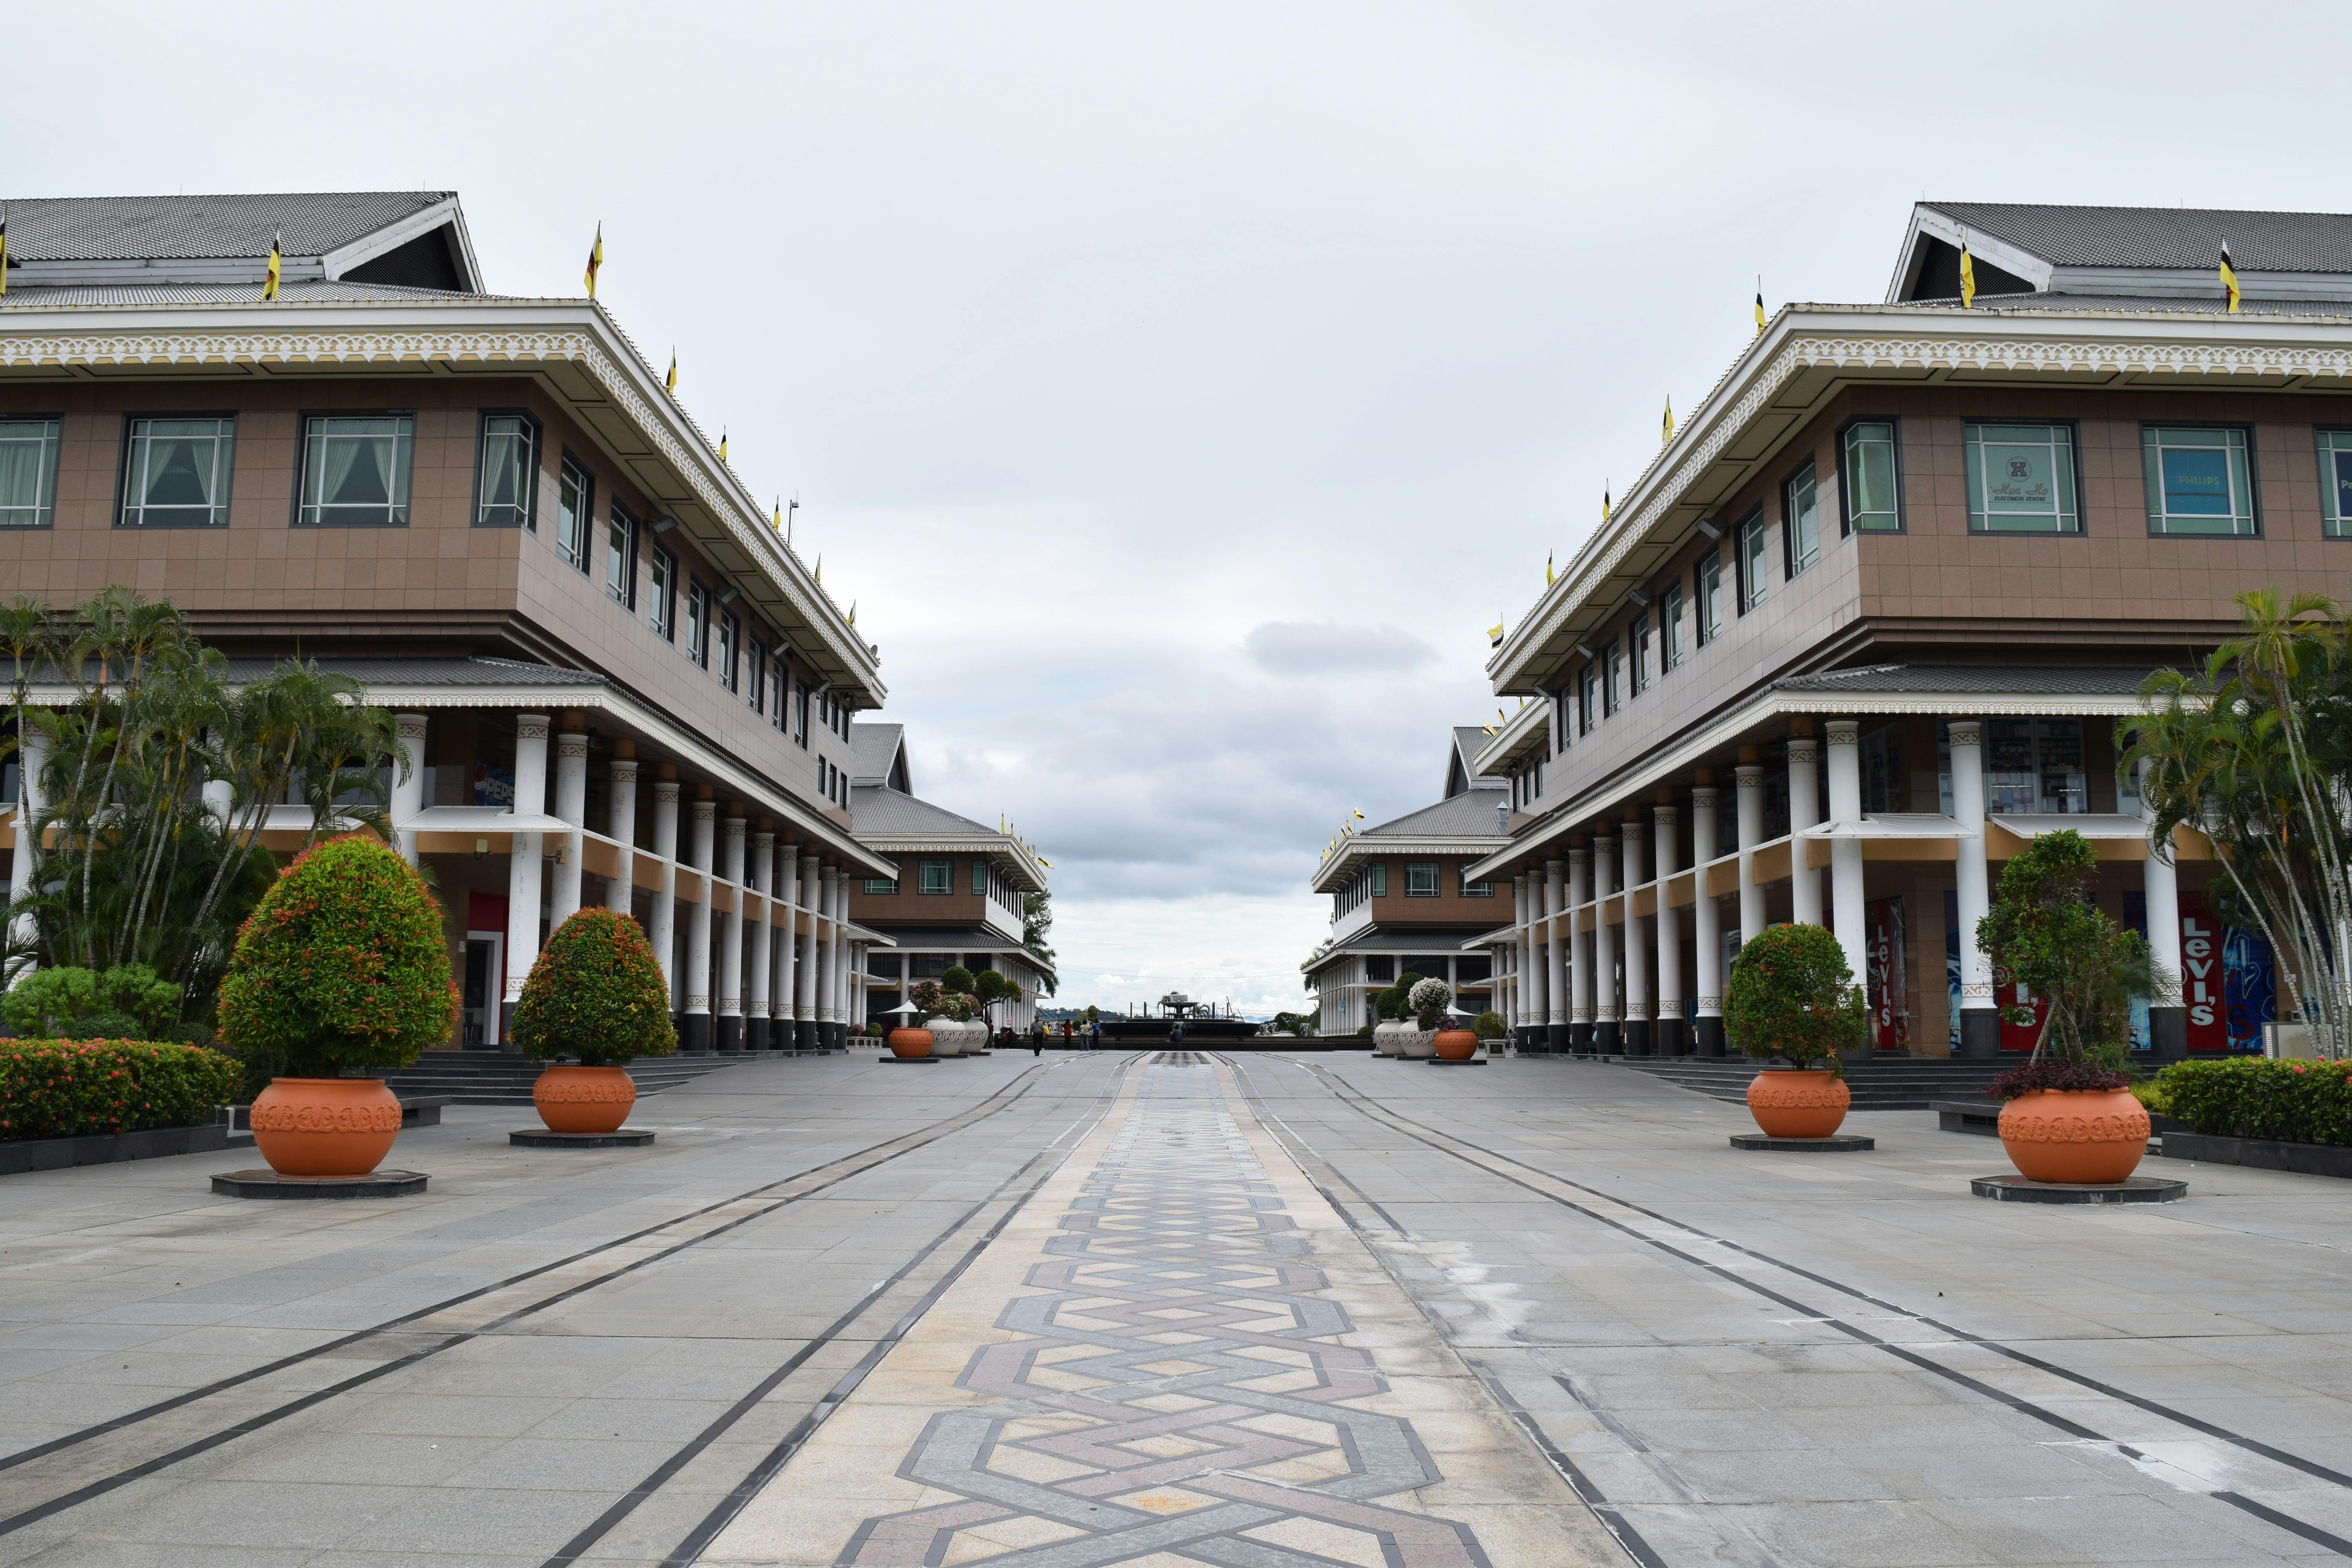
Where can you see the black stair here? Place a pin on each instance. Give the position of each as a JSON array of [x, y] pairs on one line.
[[1908, 1083], [493, 1077]]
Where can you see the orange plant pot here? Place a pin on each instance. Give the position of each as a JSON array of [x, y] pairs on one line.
[[2094, 1135], [584, 1099], [909, 1044], [1456, 1045], [1797, 1103], [325, 1126]]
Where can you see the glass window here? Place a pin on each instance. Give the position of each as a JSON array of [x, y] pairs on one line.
[[801, 713], [882, 888], [1612, 679], [2032, 765], [979, 879], [29, 473], [758, 696], [2335, 482], [2020, 479], [1750, 561], [1420, 879], [175, 473], [2197, 482], [505, 488], [621, 558], [1800, 523], [661, 581], [1882, 770], [1672, 639], [1588, 698], [1637, 643], [575, 504], [355, 469], [1380, 879], [1872, 490], [1470, 889], [938, 877], [698, 623], [1706, 596], [730, 642]]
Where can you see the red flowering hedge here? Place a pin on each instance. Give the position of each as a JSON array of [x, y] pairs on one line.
[[596, 994], [71, 1089], [2295, 1102], [340, 965]]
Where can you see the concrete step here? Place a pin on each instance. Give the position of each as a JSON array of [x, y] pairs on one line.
[[1910, 1084], [493, 1077]]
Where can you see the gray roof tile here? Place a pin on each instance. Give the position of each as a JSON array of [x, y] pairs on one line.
[[872, 749], [881, 812], [1470, 815], [2219, 304], [136, 228], [1931, 678], [305, 290], [2187, 238]]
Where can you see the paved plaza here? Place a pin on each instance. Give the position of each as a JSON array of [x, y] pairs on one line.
[[1176, 1306]]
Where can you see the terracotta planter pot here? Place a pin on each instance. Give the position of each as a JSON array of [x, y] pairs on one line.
[[1457, 1045], [584, 1099], [911, 1043], [2095, 1135], [325, 1126], [1798, 1102]]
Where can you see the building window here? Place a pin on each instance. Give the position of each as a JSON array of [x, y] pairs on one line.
[[1612, 679], [29, 473], [698, 623], [1869, 481], [1380, 879], [661, 582], [2030, 765], [1747, 553], [800, 713], [979, 879], [1706, 596], [1637, 643], [355, 469], [506, 489], [2020, 479], [2335, 482], [1800, 523], [175, 473], [575, 503], [938, 877], [1588, 698], [881, 887], [731, 644], [1882, 771], [2198, 481], [1673, 640], [621, 558], [758, 696], [1469, 888], [1420, 879]]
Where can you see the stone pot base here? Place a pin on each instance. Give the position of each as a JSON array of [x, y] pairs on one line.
[[911, 1061], [1848, 1143], [268, 1183], [2132, 1190], [540, 1137]]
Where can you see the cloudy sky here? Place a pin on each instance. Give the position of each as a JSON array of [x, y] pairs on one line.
[[1180, 389]]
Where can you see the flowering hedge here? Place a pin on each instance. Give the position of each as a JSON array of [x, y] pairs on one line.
[[340, 965], [595, 993], [2297, 1102], [71, 1089]]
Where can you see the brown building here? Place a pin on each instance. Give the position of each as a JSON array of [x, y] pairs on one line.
[[1877, 607], [616, 683]]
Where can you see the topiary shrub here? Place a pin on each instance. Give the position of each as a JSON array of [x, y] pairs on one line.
[[1489, 1025], [596, 994], [341, 966], [64, 1003], [956, 978], [78, 1089], [1792, 996]]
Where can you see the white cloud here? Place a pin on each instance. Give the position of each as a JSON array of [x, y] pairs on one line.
[[1299, 648]]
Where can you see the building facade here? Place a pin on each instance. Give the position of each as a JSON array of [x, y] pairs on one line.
[[1868, 623], [1400, 899], [615, 685]]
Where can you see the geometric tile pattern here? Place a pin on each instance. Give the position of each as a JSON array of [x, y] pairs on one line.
[[1175, 1391]]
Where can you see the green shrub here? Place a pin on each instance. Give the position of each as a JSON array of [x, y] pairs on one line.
[[340, 965], [958, 978], [596, 994], [63, 1003], [1792, 996], [2297, 1102], [1489, 1025], [74, 1088]]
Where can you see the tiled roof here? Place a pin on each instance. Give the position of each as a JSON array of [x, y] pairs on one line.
[[1469, 739], [136, 228], [872, 749], [944, 939], [452, 672], [880, 812], [2136, 304], [2018, 679], [1470, 815], [298, 291], [1391, 939], [2187, 238]]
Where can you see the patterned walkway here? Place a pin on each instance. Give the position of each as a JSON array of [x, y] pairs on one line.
[[1171, 1374]]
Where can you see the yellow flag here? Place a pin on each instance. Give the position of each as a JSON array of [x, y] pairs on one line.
[[853, 612], [820, 566], [2229, 278], [1495, 634], [3, 257], [1548, 575], [780, 514], [1759, 306], [1360, 817], [1669, 434], [269, 284], [595, 260], [670, 382], [722, 443], [1604, 503], [1967, 277]]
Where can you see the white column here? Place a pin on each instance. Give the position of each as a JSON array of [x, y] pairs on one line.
[[523, 869], [1607, 1015], [1639, 961], [1556, 967], [1516, 1012], [571, 806], [788, 944], [661, 928], [805, 998], [828, 998], [1846, 889], [1804, 810], [730, 939], [2161, 890], [764, 935], [621, 824], [32, 755], [1579, 972], [1706, 919], [704, 815], [1972, 881], [1665, 854], [407, 794], [1748, 807], [1531, 954]]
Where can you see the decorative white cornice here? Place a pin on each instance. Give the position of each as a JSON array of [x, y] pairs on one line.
[[1361, 848]]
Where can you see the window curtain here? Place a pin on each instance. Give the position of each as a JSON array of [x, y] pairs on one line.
[[20, 474]]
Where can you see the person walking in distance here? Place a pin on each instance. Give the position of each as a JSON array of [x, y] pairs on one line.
[[1094, 1034], [1176, 1033]]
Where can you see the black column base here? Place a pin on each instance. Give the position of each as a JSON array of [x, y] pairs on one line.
[[2168, 1034], [1670, 1036], [694, 1039], [1980, 1033], [755, 1034], [731, 1032], [830, 1034], [1580, 1038], [1608, 1038], [805, 1035], [1637, 1038], [1709, 1034], [1555, 1039]]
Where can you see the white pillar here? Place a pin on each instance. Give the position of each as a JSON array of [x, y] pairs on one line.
[[839, 902], [1607, 1015], [1556, 954], [1639, 961], [731, 942], [2161, 890], [1667, 855], [571, 806], [1531, 948], [1972, 881], [1804, 810], [1579, 972], [32, 754], [1846, 889], [704, 815], [661, 929], [621, 824], [788, 944], [828, 995], [407, 794], [1706, 919], [523, 869], [1749, 808], [1517, 1013], [805, 998], [764, 935]]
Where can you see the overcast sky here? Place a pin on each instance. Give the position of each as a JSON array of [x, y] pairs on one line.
[[1181, 390]]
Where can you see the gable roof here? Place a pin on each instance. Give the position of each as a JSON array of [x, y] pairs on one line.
[[2121, 257], [1462, 763], [324, 235], [877, 755]]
